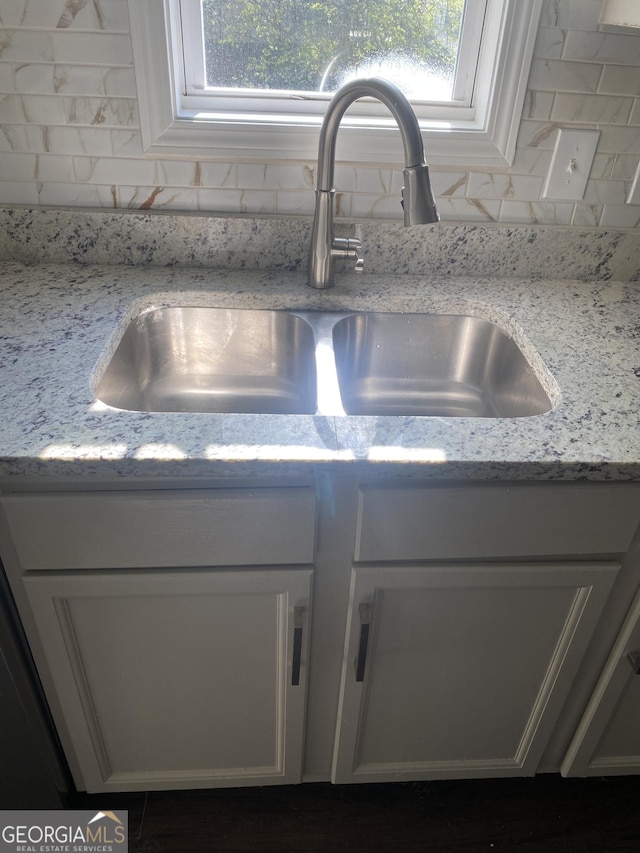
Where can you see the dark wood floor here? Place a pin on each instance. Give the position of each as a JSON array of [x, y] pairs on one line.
[[546, 814]]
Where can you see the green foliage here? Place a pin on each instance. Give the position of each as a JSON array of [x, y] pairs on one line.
[[291, 44]]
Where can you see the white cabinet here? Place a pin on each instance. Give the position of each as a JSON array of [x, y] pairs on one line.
[[175, 638], [607, 741], [460, 671], [170, 629], [177, 679]]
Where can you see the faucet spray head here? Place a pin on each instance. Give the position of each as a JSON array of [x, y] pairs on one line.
[[417, 197]]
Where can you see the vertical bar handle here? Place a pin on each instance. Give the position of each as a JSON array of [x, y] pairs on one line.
[[365, 621], [298, 613], [634, 660]]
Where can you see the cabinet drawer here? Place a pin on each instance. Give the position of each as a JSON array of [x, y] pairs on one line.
[[226, 527], [418, 523]]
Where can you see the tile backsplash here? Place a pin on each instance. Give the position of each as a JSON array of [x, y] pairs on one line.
[[70, 136]]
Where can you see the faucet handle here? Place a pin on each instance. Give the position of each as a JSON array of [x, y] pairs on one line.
[[348, 248]]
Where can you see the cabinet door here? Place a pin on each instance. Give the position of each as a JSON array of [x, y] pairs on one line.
[[460, 671], [607, 741], [177, 679]]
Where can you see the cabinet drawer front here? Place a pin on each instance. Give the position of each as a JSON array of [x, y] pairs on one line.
[[226, 527], [409, 523]]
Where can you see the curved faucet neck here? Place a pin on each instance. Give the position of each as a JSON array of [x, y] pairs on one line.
[[417, 197], [393, 99]]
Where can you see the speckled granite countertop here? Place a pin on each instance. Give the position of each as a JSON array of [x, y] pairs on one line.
[[57, 321]]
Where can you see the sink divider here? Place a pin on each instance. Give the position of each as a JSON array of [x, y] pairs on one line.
[[329, 400]]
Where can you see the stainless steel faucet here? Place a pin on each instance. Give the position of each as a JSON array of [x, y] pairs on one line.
[[417, 197]]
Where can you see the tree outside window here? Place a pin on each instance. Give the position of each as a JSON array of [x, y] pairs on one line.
[[317, 45]]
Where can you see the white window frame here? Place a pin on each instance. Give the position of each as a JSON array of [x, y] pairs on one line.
[[484, 135]]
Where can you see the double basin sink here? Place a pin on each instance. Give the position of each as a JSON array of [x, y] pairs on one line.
[[193, 359]]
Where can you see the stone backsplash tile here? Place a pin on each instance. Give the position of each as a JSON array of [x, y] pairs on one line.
[[103, 15], [480, 249]]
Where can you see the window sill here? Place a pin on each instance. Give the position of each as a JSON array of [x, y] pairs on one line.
[[234, 139]]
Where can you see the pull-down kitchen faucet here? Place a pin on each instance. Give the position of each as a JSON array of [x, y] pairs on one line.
[[417, 197]]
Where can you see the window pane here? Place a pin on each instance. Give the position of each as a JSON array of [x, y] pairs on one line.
[[317, 45]]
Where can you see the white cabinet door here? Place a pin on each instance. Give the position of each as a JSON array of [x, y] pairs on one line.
[[460, 671], [607, 741], [177, 679]]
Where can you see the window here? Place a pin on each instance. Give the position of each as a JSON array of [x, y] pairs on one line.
[[303, 50], [222, 85]]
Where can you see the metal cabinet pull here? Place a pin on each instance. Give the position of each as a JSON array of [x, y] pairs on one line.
[[365, 620], [298, 613], [634, 660]]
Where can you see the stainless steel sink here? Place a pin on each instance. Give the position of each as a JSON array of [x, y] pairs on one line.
[[431, 364], [187, 359]]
